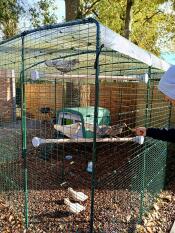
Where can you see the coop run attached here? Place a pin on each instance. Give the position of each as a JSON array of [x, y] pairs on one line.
[[69, 95]]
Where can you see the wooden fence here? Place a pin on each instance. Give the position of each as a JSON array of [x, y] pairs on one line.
[[7, 96], [40, 97], [124, 100], [120, 98]]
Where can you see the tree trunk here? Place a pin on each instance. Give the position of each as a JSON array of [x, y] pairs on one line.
[[128, 18], [72, 9]]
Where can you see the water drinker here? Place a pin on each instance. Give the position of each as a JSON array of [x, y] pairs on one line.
[[35, 75], [89, 167], [68, 157]]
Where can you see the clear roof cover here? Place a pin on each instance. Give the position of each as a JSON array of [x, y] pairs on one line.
[[76, 41]]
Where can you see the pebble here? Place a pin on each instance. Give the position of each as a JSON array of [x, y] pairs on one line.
[[156, 207], [10, 218], [149, 230]]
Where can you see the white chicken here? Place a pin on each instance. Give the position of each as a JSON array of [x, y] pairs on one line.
[[74, 208], [68, 130], [77, 196]]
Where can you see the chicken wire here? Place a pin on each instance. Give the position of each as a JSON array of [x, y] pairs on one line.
[[87, 70]]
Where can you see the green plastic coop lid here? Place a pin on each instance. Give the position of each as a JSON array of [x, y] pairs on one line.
[[87, 114]]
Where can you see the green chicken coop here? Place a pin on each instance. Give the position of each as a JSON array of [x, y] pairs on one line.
[[85, 116]]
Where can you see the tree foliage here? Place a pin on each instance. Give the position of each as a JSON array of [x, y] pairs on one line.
[[143, 22], [42, 13], [9, 17]]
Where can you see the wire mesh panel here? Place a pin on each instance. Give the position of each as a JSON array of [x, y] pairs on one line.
[[57, 62], [129, 171], [11, 163], [72, 151]]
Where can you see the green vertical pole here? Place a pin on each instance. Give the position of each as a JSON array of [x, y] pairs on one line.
[[143, 162], [169, 115], [24, 134], [55, 97], [167, 144], [63, 107], [96, 66]]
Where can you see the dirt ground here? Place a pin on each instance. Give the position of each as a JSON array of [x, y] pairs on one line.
[[116, 207]]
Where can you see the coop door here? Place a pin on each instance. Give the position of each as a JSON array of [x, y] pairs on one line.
[[67, 118]]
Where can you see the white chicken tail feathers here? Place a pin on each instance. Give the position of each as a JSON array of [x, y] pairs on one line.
[[77, 196], [70, 189], [74, 208], [67, 201]]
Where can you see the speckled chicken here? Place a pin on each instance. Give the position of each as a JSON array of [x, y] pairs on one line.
[[63, 66], [113, 130]]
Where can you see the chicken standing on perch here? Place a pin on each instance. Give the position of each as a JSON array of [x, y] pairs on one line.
[[106, 130], [64, 66], [77, 196], [111, 131], [74, 208]]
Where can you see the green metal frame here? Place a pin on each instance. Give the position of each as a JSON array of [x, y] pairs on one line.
[[138, 164], [24, 133]]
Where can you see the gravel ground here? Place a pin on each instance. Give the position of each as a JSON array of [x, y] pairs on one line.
[[116, 207], [162, 216], [10, 222]]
